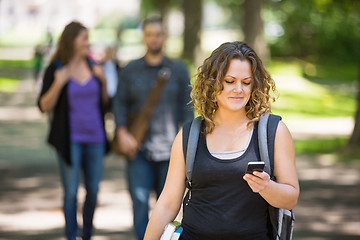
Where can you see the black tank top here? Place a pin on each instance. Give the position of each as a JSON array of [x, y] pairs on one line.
[[222, 205]]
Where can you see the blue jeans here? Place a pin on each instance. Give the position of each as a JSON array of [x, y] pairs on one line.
[[89, 159], [143, 177]]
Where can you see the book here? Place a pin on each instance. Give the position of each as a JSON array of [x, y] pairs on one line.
[[172, 231]]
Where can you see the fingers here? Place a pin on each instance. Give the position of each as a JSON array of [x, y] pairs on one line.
[[63, 74], [128, 144], [99, 72], [257, 181]]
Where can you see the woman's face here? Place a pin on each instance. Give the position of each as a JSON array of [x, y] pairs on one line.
[[237, 86], [81, 43]]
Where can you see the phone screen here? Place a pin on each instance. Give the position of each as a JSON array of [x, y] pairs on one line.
[[255, 166]]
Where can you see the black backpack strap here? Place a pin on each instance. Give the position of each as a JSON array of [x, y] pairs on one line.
[[190, 141], [185, 136]]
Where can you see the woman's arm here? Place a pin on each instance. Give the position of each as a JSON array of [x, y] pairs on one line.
[[169, 202], [49, 98], [285, 191]]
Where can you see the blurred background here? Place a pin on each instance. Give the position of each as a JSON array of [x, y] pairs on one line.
[[311, 48]]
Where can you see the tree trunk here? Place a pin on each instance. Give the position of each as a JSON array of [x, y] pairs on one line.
[[354, 141], [253, 28], [163, 6], [192, 27]]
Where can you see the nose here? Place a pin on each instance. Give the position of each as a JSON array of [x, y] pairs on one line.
[[238, 87]]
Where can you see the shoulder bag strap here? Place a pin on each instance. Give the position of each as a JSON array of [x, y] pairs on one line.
[[140, 125]]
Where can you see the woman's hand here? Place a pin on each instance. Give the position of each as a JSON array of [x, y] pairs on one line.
[[258, 181], [62, 75], [99, 73], [284, 192], [50, 98]]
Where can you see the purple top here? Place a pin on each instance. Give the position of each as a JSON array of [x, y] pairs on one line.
[[86, 124]]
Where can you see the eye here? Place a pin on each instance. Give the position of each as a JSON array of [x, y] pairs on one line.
[[229, 82], [247, 83]]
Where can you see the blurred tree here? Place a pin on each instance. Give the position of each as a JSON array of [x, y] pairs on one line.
[[354, 142], [192, 28], [160, 7], [253, 28], [247, 15], [320, 29]]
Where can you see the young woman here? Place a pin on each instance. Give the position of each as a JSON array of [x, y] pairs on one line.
[[230, 93], [74, 91]]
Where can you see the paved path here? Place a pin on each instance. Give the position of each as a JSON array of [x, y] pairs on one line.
[[30, 191]]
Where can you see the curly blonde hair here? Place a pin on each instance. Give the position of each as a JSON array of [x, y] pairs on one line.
[[209, 83]]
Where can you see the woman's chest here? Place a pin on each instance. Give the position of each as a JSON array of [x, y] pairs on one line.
[[209, 170]]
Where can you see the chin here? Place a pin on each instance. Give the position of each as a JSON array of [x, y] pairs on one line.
[[237, 108], [155, 50]]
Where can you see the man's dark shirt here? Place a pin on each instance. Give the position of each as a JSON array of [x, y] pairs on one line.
[[172, 110]]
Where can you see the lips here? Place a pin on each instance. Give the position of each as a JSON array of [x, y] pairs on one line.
[[236, 98]]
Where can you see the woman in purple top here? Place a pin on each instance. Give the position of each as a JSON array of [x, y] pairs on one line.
[[74, 91]]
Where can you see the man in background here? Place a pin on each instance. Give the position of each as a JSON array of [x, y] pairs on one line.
[[147, 170]]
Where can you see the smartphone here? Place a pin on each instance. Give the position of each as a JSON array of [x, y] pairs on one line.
[[255, 166]]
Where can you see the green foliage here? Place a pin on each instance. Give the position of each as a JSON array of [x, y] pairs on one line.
[[331, 72], [235, 10], [321, 28], [149, 7]]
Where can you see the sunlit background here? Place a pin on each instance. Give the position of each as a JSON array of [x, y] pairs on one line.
[[311, 48]]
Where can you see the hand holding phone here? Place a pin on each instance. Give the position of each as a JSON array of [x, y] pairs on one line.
[[255, 166]]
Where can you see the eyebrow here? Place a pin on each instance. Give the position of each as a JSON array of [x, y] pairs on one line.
[[235, 77]]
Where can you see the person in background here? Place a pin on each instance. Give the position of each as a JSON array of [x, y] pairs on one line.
[[74, 92], [231, 91], [112, 71], [147, 170], [38, 61]]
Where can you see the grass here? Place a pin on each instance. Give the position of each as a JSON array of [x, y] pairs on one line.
[[301, 97], [328, 92], [282, 67], [333, 146], [318, 146], [16, 64], [324, 72], [9, 80], [314, 104], [8, 84]]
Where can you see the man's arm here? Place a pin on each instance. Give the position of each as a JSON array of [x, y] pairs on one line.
[[120, 108], [126, 141]]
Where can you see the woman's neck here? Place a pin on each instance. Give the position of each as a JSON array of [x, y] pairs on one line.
[[76, 60], [230, 119]]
